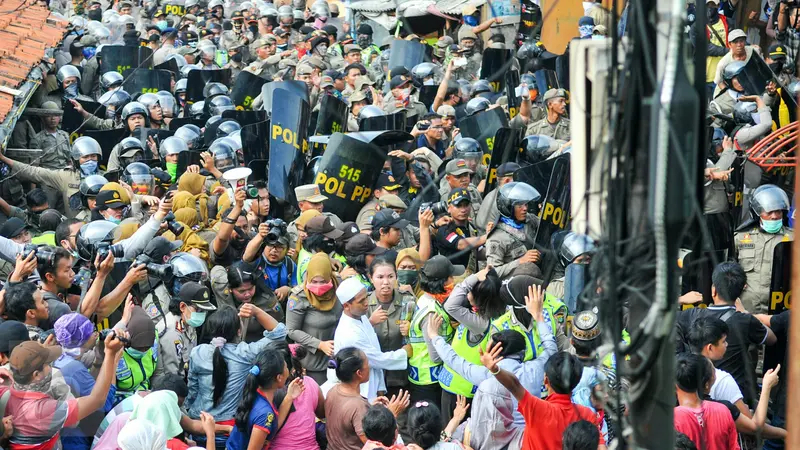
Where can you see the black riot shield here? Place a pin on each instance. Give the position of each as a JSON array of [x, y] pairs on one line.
[[255, 149], [551, 179], [696, 274], [147, 80], [71, 121], [406, 54], [505, 149], [199, 78], [483, 127], [288, 144], [545, 80], [780, 298], [347, 174], [107, 140], [170, 65], [396, 121], [298, 88], [530, 23], [514, 102], [181, 121], [186, 159], [175, 8], [494, 65], [427, 94], [332, 118], [245, 117], [245, 90], [737, 182], [119, 58]]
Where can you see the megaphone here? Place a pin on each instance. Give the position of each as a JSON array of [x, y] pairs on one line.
[[237, 177]]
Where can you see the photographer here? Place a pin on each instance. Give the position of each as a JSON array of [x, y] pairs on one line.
[[789, 28], [458, 240], [272, 241], [153, 293], [459, 175]]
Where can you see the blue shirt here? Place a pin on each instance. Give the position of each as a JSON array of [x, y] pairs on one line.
[[422, 141], [262, 416], [276, 276]]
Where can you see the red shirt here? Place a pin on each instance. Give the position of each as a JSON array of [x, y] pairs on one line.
[[546, 420], [38, 419], [710, 427]]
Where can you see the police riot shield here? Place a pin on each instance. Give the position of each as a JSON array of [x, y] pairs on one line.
[[347, 174], [288, 144], [427, 94], [545, 80], [147, 80], [396, 121], [158, 135], [198, 79], [298, 88], [178, 122], [696, 270], [119, 58], [551, 179], [332, 118], [737, 182], [254, 139], [186, 159], [483, 127], [170, 65], [530, 23], [245, 90], [780, 295], [406, 53], [174, 8], [245, 117], [494, 65], [107, 140], [506, 145], [756, 75], [514, 101], [71, 121]]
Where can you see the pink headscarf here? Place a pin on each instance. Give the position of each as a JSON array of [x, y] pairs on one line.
[[108, 441]]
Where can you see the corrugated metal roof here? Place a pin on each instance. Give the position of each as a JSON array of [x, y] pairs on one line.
[[373, 5], [456, 6], [414, 8]]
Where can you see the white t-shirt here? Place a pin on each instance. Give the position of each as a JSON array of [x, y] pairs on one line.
[[725, 388]]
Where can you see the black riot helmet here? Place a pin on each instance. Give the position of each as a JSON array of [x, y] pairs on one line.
[[139, 177], [93, 234], [187, 134], [513, 194], [114, 101], [370, 111], [196, 110], [481, 87], [213, 89], [185, 268], [218, 104], [535, 148], [768, 198], [732, 71], [466, 145], [225, 157], [574, 245], [134, 108], [110, 80], [477, 105], [227, 127], [743, 113]]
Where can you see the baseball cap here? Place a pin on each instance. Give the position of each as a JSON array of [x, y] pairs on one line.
[[309, 193], [159, 247], [387, 182], [457, 167], [440, 268], [585, 326], [304, 69], [12, 333], [12, 228], [349, 289], [736, 34], [30, 356], [323, 225], [397, 81], [507, 169], [330, 29], [351, 48], [109, 199], [363, 245], [457, 196], [326, 81], [554, 93], [388, 218], [348, 229], [198, 295], [716, 2], [446, 111], [777, 51], [391, 201]]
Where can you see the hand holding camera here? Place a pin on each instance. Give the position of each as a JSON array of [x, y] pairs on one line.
[[277, 230], [24, 266], [160, 271], [104, 265]]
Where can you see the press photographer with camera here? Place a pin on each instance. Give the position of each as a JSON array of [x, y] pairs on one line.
[[231, 239], [788, 32], [152, 291], [277, 268]]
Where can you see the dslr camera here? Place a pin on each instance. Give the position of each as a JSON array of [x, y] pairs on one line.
[[104, 248], [161, 271], [43, 254], [173, 225], [438, 208], [277, 229]]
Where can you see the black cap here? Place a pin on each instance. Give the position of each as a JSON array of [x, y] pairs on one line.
[[330, 29], [457, 196], [387, 182], [388, 218], [440, 268], [348, 229], [364, 29], [12, 228], [12, 333], [159, 247], [397, 81], [363, 245], [322, 225], [162, 177], [777, 51], [198, 295], [507, 169], [109, 199]]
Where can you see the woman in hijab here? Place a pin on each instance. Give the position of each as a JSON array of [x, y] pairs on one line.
[[160, 409], [301, 222], [312, 314], [141, 435], [192, 242], [408, 263]]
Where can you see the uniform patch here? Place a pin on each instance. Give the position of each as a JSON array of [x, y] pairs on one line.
[[743, 245], [270, 418], [152, 311], [179, 348], [291, 304], [452, 237]]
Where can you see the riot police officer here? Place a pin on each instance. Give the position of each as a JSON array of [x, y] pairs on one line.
[[128, 151], [511, 241], [756, 244], [574, 248], [555, 124]]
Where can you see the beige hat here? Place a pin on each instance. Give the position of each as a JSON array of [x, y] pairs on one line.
[[357, 96], [316, 62], [351, 48], [736, 34], [304, 69], [363, 81], [446, 111], [309, 193], [391, 201], [554, 93]]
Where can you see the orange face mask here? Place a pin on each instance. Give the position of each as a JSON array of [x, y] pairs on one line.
[[448, 288]]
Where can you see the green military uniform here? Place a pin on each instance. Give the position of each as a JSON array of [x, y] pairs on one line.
[[388, 331], [560, 131], [67, 182], [364, 218], [55, 149], [421, 368], [506, 245], [756, 249]]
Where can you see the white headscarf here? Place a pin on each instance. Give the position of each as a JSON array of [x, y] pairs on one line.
[[140, 434]]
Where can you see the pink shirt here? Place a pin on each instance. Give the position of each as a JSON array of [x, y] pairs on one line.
[[298, 432], [710, 427]]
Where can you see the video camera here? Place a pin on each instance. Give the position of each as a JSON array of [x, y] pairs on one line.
[[173, 225], [43, 254], [161, 271], [277, 230], [438, 208]]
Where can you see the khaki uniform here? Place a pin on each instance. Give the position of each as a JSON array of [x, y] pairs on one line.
[[264, 68], [291, 229], [756, 249], [474, 198], [715, 194], [506, 245], [488, 211], [414, 108], [561, 130], [161, 55], [388, 331], [161, 294], [470, 71], [175, 343], [364, 218], [55, 149], [67, 182], [235, 68], [537, 113], [90, 81]]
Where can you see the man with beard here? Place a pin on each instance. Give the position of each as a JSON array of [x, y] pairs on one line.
[[555, 124]]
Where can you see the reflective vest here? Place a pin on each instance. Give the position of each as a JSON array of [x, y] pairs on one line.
[[451, 381], [610, 361], [533, 343], [421, 370], [134, 374]]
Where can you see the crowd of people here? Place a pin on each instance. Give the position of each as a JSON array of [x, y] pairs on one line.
[[148, 303]]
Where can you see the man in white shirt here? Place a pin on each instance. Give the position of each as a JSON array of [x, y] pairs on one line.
[[354, 330]]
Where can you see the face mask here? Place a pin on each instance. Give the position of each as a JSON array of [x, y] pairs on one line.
[[282, 47], [42, 385], [172, 170], [114, 220], [712, 13], [776, 67], [408, 277], [253, 28], [585, 31], [196, 319], [89, 52], [471, 20], [598, 37], [321, 50], [89, 168], [459, 61], [135, 354], [363, 41], [320, 289], [162, 25], [95, 14], [236, 58], [71, 91], [772, 226]]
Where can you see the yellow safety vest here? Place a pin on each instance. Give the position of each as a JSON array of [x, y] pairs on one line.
[[533, 342], [421, 370], [451, 381]]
